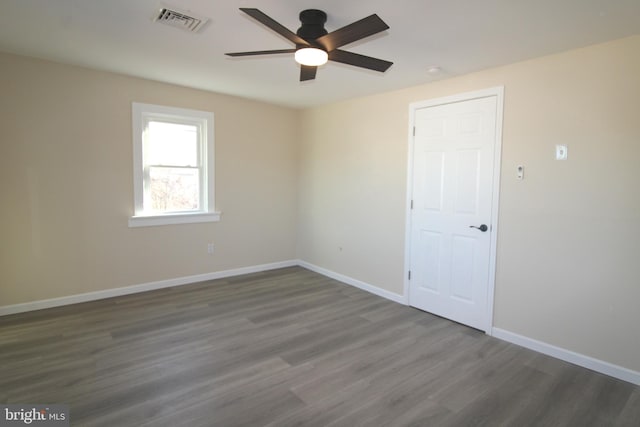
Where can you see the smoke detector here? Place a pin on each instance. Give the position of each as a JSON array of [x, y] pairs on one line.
[[184, 20]]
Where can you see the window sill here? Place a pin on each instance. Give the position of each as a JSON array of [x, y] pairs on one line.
[[187, 218]]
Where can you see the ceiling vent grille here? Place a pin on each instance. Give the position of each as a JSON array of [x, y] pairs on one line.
[[188, 22]]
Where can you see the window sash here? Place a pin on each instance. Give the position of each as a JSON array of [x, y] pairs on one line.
[[172, 180], [148, 146], [200, 166]]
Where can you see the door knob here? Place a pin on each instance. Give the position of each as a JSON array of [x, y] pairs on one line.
[[482, 228]]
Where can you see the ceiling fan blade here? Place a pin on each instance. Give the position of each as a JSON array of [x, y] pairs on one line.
[[307, 72], [358, 60], [358, 30], [261, 52], [273, 25]]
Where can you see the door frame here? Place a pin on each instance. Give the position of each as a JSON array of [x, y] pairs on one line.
[[498, 92]]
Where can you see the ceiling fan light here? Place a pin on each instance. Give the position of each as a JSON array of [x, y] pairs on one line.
[[311, 56]]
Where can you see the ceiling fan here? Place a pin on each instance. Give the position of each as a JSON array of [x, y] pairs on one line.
[[314, 45]]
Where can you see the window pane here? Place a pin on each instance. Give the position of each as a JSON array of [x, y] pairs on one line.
[[174, 189], [171, 144]]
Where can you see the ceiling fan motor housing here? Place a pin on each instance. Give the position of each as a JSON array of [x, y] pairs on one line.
[[312, 24]]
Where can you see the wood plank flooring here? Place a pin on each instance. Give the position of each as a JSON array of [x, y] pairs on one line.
[[289, 347]]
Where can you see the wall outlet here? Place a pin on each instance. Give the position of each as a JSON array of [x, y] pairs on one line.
[[561, 152], [210, 248]]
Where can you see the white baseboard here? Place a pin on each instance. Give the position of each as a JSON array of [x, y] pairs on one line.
[[160, 284], [355, 282], [569, 356], [109, 293]]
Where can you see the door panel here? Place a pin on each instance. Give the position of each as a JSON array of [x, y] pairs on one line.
[[463, 249], [467, 191], [430, 244], [433, 181]]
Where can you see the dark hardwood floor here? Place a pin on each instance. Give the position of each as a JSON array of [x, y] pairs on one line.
[[289, 348]]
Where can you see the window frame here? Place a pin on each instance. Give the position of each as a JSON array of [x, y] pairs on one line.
[[141, 115]]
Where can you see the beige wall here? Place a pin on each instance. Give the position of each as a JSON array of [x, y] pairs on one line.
[[568, 269], [66, 184]]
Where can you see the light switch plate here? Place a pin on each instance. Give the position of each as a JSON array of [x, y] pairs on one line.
[[561, 152]]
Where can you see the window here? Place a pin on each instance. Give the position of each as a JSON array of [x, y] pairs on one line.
[[173, 166]]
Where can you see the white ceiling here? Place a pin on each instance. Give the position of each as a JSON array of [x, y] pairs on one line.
[[460, 36]]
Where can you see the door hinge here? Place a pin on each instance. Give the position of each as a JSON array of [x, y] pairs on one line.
[[414, 131], [409, 274], [411, 204]]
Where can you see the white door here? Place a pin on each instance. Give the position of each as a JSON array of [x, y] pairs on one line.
[[452, 194]]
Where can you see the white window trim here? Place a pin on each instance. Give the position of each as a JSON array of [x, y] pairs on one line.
[[208, 212]]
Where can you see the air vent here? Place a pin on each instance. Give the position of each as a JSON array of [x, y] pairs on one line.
[[188, 22]]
